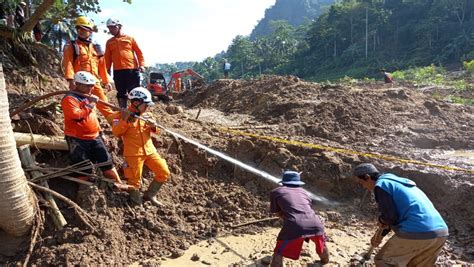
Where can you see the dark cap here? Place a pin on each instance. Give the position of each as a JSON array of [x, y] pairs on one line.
[[365, 168]]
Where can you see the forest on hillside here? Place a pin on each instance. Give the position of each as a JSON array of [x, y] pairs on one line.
[[295, 12], [356, 38]]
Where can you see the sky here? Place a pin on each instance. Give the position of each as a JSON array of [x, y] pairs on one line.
[[169, 31]]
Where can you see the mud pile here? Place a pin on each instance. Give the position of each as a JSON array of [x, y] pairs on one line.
[[206, 196], [369, 118], [354, 114]]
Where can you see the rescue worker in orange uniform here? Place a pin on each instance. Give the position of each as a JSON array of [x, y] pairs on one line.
[[123, 52], [82, 128], [138, 146], [83, 55]]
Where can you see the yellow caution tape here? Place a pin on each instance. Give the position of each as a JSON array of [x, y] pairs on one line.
[[345, 151]]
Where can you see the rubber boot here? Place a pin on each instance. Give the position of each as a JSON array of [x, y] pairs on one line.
[[122, 102], [135, 196], [151, 192]]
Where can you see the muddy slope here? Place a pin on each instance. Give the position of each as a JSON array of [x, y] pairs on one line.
[[205, 196], [359, 114]]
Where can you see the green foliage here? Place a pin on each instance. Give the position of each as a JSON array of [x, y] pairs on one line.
[[348, 81], [461, 100], [469, 66], [400, 35], [460, 85], [295, 12], [401, 32], [423, 76]]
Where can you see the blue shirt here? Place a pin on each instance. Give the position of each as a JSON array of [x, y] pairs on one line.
[[417, 217]]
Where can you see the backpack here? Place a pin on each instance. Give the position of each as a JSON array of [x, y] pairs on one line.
[[76, 50]]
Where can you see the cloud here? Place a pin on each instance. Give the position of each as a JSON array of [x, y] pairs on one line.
[[183, 30]]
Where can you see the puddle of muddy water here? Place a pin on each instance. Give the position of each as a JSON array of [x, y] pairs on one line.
[[252, 250]]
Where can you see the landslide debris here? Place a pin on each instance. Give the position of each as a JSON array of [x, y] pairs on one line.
[[205, 195]]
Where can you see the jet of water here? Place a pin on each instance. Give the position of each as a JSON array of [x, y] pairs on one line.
[[251, 169]]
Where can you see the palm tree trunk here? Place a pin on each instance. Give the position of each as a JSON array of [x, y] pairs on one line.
[[17, 207]]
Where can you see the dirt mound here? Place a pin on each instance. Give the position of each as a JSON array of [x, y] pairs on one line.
[[348, 114], [205, 195]]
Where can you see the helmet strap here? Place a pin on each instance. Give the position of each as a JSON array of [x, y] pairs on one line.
[[136, 107], [86, 41]]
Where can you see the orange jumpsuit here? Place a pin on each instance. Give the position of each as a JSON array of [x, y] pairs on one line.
[[138, 149], [124, 53], [79, 120], [81, 129], [87, 60]]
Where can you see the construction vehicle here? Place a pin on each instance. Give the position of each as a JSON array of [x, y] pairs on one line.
[[163, 91]]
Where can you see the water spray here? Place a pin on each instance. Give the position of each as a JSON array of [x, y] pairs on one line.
[[244, 166]]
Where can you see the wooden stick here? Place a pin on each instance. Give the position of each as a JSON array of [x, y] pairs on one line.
[[362, 201], [28, 161], [34, 100], [255, 221], [62, 170], [199, 113], [84, 216]]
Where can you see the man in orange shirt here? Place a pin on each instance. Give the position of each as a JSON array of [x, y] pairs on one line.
[[138, 146], [81, 127], [82, 55], [123, 53]]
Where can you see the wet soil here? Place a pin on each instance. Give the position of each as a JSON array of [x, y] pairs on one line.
[[206, 196]]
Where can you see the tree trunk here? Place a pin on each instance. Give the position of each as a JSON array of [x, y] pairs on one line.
[[39, 12], [17, 207]]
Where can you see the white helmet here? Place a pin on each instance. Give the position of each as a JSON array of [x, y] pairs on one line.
[[142, 94], [84, 77], [113, 22]]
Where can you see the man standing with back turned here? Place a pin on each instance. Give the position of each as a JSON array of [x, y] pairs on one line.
[[123, 53], [420, 231]]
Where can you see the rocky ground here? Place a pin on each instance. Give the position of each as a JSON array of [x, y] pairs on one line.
[[336, 126]]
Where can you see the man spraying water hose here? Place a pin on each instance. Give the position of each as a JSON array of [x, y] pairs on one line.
[[300, 223]]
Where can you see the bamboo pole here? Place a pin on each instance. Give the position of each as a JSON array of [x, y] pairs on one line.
[[41, 141], [28, 162]]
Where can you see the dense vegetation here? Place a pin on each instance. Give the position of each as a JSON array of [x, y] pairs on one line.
[[356, 38], [295, 12]]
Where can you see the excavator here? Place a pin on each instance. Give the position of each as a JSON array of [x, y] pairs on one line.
[[162, 90]]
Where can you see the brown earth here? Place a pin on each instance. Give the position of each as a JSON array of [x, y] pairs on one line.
[[206, 195]]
